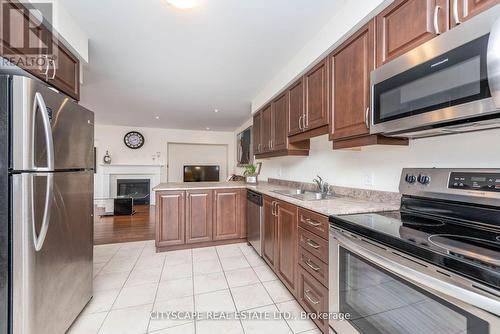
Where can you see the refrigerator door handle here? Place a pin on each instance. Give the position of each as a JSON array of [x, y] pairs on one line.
[[39, 239], [40, 106]]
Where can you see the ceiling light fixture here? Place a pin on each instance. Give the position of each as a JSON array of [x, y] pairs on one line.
[[216, 111], [157, 117], [207, 128], [183, 4]]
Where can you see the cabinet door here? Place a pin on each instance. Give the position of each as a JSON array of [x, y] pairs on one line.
[[257, 124], [266, 129], [295, 107], [316, 95], [286, 264], [462, 10], [170, 214], [65, 75], [270, 232], [198, 216], [351, 65], [279, 115], [406, 24], [227, 214]]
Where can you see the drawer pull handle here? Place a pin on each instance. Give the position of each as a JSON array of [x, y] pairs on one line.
[[306, 294], [311, 222], [312, 265], [312, 244]]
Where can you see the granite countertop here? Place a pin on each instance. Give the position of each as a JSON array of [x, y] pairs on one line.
[[337, 206]]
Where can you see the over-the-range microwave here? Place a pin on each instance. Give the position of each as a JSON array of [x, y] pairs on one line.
[[447, 85]]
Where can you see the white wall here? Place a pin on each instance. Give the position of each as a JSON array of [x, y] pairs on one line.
[[110, 137], [351, 16], [383, 164]]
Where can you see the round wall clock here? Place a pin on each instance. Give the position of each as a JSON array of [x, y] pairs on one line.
[[134, 140]]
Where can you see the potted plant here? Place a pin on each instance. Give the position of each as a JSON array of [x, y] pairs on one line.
[[251, 173]]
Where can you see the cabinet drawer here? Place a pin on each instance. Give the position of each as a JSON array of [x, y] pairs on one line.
[[313, 266], [314, 222], [314, 298], [313, 244]]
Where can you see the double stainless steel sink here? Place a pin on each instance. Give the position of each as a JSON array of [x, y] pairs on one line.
[[304, 195]]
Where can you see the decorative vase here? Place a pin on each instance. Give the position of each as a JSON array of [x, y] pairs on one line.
[[107, 158]]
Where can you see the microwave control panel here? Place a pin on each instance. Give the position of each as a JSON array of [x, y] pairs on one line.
[[474, 181]]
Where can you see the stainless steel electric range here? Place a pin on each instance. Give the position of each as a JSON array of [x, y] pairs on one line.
[[431, 267]]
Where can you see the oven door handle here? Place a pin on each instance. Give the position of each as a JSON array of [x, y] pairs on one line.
[[459, 293]]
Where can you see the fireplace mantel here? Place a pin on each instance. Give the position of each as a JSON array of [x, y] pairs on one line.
[[109, 174]]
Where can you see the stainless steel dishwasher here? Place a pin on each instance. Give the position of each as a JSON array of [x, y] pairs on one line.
[[254, 220]]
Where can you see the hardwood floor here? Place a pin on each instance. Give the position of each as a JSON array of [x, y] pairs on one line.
[[138, 227]]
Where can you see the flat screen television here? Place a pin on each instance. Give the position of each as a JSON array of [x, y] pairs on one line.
[[201, 173]]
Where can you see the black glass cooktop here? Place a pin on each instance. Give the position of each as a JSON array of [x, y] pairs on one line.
[[472, 250]]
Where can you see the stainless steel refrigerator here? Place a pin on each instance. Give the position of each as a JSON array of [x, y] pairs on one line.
[[46, 231]]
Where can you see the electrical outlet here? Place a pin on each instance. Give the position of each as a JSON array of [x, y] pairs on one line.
[[368, 179]]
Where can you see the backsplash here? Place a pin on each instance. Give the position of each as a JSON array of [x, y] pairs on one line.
[[364, 194]]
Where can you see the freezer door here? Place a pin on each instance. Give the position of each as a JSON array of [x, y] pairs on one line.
[[52, 270], [49, 130]]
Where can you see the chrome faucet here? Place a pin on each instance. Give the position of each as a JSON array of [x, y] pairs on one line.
[[323, 186]]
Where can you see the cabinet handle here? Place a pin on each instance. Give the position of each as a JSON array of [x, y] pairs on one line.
[[54, 67], [272, 208], [312, 244], [311, 222], [300, 122], [312, 265], [466, 8], [46, 71], [276, 209], [305, 120], [258, 148], [455, 12], [306, 294], [367, 118], [436, 20]]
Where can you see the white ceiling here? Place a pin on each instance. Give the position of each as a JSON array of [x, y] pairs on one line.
[[149, 59]]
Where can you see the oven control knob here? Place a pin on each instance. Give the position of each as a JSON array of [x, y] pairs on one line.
[[410, 178], [423, 179]]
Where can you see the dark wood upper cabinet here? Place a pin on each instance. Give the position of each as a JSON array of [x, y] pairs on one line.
[[256, 128], [462, 10], [24, 36], [170, 215], [295, 107], [198, 216], [316, 97], [266, 129], [227, 215], [279, 115], [351, 64], [269, 247], [65, 72], [287, 261], [406, 24]]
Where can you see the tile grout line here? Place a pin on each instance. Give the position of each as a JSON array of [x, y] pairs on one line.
[[229, 288], [274, 303], [156, 292], [121, 289]]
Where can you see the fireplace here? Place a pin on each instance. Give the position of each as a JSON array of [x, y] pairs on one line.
[[139, 189]]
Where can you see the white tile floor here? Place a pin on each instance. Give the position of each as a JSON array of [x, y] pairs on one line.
[[131, 280]]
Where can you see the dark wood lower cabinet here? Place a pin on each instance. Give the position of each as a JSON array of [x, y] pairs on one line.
[[226, 214], [198, 216], [313, 297], [286, 262], [170, 214]]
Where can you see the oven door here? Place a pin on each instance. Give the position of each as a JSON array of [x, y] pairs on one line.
[[379, 291]]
